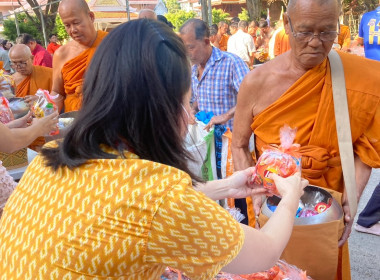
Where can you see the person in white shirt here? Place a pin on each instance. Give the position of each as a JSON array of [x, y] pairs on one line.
[[241, 43]]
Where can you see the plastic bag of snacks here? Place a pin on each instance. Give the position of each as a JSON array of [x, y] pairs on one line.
[[283, 160], [281, 271], [6, 114], [7, 85], [44, 106]]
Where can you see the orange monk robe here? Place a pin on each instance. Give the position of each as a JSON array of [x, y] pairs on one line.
[[281, 43], [41, 78], [73, 72], [344, 37], [308, 106], [223, 42]]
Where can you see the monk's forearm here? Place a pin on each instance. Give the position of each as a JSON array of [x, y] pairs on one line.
[[231, 112], [362, 174], [58, 99], [241, 157]]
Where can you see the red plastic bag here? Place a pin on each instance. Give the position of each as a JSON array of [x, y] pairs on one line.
[[283, 160], [6, 114]]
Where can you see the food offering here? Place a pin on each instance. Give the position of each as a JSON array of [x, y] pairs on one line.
[[44, 106], [6, 114], [7, 85], [284, 160]]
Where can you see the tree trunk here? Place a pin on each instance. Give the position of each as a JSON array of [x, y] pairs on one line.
[[254, 9]]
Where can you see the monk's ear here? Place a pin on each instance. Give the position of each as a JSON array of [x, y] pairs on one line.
[[286, 23], [92, 16]]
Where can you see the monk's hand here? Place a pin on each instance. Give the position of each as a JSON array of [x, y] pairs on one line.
[[221, 119], [257, 201], [46, 124], [241, 184], [30, 99], [21, 122], [347, 221]]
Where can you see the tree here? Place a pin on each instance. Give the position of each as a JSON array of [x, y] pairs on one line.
[[244, 15], [10, 31], [219, 15], [48, 15], [254, 9], [60, 30], [179, 18], [172, 5]]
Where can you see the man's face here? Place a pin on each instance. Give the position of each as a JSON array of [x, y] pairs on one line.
[[79, 25], [53, 39], [224, 29], [32, 45], [21, 63], [308, 16], [233, 30], [196, 49]]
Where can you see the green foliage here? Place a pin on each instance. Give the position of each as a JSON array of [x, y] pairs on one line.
[[59, 29], [178, 18], [219, 15], [172, 6], [244, 15], [10, 31]]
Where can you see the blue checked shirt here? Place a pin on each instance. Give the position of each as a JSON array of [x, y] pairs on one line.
[[216, 91]]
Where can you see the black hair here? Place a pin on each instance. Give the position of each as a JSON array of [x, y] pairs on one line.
[[198, 26], [263, 23], [4, 43], [132, 99], [235, 19], [51, 35], [25, 38]]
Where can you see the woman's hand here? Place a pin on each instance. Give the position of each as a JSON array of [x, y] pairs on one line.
[[290, 186], [30, 99], [46, 124], [241, 184], [21, 122]]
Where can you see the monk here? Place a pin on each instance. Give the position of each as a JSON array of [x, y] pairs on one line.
[[147, 13], [344, 38], [281, 43], [222, 36], [295, 89], [71, 60], [28, 77]]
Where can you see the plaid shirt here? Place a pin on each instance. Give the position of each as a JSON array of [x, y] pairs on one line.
[[216, 91]]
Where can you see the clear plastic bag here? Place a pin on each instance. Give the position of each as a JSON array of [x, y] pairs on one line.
[[6, 114]]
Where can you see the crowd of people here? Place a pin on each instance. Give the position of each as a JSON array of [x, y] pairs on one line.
[[116, 198]]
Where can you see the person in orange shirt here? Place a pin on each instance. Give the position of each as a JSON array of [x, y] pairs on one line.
[[115, 198], [281, 42], [28, 77], [222, 35], [53, 46], [298, 92], [71, 60]]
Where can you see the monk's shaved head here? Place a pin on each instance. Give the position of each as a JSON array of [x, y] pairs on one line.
[[147, 13], [79, 5], [20, 50], [292, 4]]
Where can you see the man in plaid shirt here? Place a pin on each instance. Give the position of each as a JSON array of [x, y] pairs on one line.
[[216, 75]]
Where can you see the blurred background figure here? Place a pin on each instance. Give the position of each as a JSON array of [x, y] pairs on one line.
[[53, 45]]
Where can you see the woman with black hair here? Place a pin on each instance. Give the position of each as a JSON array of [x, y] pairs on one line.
[[115, 199]]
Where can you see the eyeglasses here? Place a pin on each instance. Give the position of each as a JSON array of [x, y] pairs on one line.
[[306, 37], [20, 64]]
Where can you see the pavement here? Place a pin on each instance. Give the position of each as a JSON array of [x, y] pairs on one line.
[[365, 248]]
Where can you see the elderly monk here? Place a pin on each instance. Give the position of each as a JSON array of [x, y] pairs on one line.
[[71, 60], [28, 77], [147, 13], [295, 89]]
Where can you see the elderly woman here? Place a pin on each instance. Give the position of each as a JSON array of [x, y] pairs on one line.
[[115, 199], [17, 135]]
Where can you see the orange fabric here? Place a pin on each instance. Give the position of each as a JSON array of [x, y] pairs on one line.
[[223, 42], [1, 64], [281, 43], [308, 105], [52, 47], [344, 37], [73, 72], [41, 78]]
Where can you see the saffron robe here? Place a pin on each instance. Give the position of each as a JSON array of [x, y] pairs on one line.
[[308, 106], [41, 78], [73, 72]]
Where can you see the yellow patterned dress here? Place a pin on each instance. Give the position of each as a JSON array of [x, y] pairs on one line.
[[113, 219]]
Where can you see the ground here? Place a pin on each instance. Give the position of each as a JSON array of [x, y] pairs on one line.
[[365, 248]]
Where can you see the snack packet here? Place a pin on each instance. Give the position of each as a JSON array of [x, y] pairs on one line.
[[44, 106], [6, 114], [7, 85], [283, 160]]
